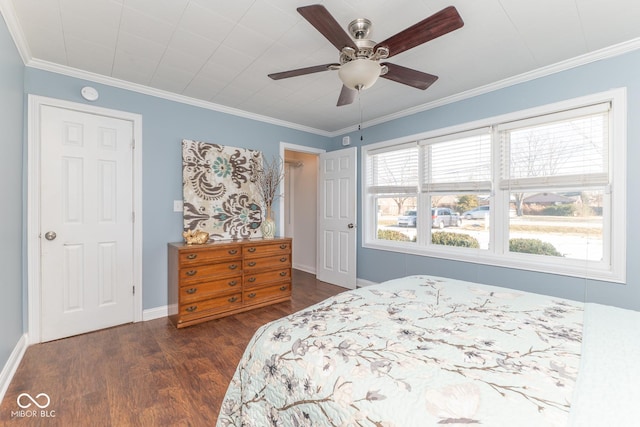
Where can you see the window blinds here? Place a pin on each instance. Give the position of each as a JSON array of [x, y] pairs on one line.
[[457, 163], [565, 149], [393, 170]]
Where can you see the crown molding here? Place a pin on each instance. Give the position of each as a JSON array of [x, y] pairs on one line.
[[605, 53], [159, 93], [8, 12], [15, 30]]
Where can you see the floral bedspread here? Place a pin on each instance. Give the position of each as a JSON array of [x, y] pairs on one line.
[[417, 351]]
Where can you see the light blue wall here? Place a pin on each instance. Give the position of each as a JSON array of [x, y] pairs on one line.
[[11, 223], [621, 71], [165, 124]]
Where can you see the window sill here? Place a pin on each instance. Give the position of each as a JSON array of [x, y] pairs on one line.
[[559, 266]]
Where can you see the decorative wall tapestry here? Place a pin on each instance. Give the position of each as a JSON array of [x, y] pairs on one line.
[[219, 196]]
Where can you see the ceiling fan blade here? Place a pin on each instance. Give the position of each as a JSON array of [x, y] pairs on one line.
[[346, 96], [321, 19], [409, 76], [302, 71], [430, 28]]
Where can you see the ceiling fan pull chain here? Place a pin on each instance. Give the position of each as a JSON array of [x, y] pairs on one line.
[[360, 124]]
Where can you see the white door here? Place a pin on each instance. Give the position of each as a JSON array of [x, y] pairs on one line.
[[337, 218], [86, 222]]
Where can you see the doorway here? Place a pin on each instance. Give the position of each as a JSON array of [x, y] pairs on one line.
[[299, 203]]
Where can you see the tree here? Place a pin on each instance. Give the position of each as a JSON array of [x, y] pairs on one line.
[[467, 202], [537, 153], [398, 170]]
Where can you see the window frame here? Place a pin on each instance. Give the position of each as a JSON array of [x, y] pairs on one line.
[[612, 269]]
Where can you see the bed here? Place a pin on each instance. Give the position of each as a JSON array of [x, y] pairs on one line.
[[423, 350]]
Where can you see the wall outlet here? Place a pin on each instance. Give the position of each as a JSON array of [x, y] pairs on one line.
[[177, 205]]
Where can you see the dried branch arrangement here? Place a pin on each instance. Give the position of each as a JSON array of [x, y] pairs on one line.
[[267, 179]]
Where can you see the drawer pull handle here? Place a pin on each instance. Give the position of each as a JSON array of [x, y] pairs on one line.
[[233, 251], [252, 295], [233, 266], [252, 279], [283, 259], [283, 246], [252, 250], [232, 299], [192, 308], [252, 263], [233, 283], [283, 273], [191, 272], [192, 256], [283, 288], [191, 290]]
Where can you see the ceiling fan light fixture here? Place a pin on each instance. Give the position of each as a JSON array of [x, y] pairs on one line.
[[360, 57], [359, 74]]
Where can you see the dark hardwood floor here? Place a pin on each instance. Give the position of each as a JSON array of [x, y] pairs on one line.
[[146, 373]]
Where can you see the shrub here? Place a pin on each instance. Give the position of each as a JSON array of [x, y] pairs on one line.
[[559, 210], [392, 235], [533, 246], [454, 239]]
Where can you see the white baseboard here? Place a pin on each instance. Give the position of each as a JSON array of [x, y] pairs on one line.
[[362, 283], [155, 313], [10, 368], [305, 268]]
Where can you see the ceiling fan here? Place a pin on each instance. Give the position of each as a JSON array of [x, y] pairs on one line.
[[360, 57]]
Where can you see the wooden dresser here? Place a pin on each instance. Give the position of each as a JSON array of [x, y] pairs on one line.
[[226, 277]]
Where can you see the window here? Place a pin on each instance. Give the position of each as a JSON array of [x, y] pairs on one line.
[[393, 176], [556, 172], [534, 190], [455, 167]]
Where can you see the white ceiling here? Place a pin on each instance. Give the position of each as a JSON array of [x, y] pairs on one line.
[[220, 51]]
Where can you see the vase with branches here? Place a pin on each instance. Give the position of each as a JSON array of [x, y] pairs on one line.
[[267, 178]]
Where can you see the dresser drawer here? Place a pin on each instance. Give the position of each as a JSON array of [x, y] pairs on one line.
[[282, 274], [282, 290], [204, 290], [198, 273], [277, 261], [222, 303], [195, 256], [260, 250]]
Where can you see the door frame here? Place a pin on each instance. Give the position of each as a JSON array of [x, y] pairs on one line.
[[35, 102], [292, 147]]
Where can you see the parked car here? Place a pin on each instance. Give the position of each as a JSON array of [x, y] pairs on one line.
[[444, 217], [440, 218], [476, 213], [408, 219]]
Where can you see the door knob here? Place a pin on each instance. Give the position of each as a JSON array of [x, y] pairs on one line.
[[50, 235], [350, 225]]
